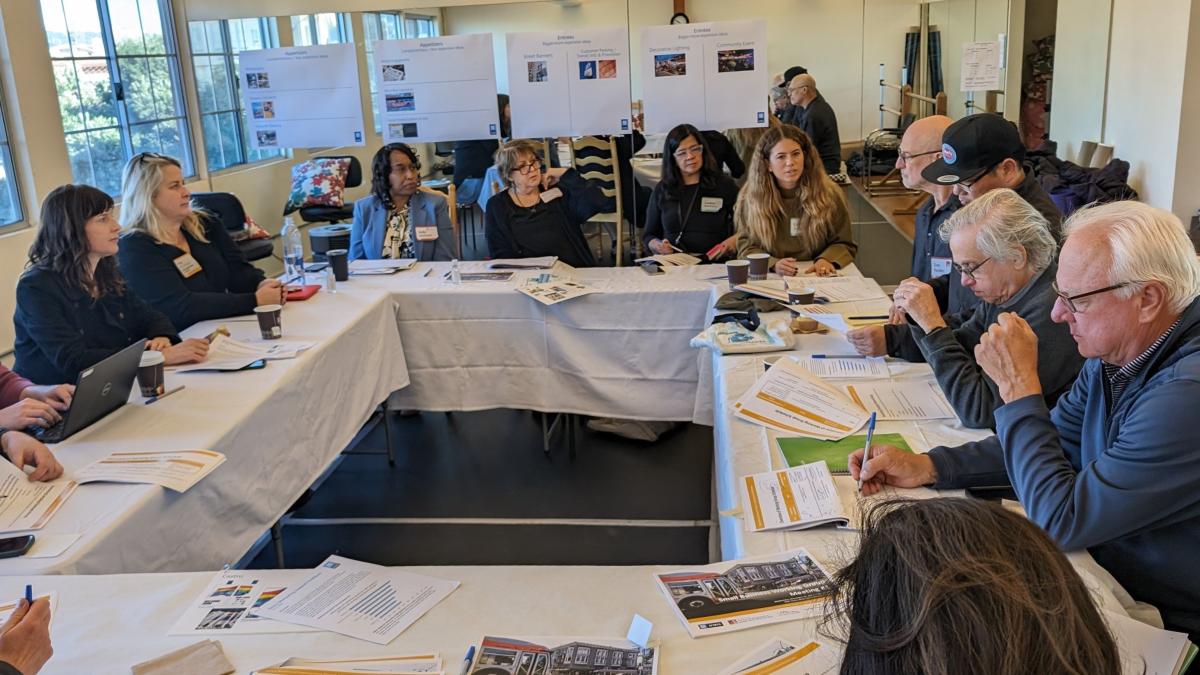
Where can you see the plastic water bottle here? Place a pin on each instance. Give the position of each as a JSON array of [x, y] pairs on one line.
[[293, 252], [455, 275], [330, 280]]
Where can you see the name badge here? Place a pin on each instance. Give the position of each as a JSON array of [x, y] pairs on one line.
[[187, 266], [427, 233], [550, 195], [794, 227], [939, 267], [711, 204]]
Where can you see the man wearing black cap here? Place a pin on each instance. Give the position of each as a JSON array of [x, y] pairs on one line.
[[790, 114], [983, 152]]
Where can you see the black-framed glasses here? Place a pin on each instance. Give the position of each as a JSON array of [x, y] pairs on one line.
[[1069, 300], [527, 168], [967, 184], [907, 157], [969, 270], [141, 157]]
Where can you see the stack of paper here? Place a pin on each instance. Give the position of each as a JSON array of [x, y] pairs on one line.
[[554, 291], [409, 664], [828, 289], [847, 367], [543, 263], [672, 259], [902, 399], [26, 505], [790, 399], [226, 353], [562, 654], [384, 266], [792, 499], [1146, 650], [780, 656], [174, 470]]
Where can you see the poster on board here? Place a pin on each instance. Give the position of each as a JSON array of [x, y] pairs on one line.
[[302, 97], [569, 83], [437, 89], [712, 75], [980, 66]]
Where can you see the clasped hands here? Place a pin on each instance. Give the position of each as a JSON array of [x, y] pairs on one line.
[[788, 267]]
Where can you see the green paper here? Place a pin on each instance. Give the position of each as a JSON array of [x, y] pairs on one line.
[[835, 454]]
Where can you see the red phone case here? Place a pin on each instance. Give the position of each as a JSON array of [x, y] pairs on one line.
[[305, 292]]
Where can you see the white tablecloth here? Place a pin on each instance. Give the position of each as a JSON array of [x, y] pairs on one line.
[[622, 352], [279, 427]]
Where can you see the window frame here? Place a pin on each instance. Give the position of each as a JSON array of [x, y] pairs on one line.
[[345, 30], [11, 173]]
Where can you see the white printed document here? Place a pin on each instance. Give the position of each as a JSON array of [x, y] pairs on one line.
[[401, 665], [175, 470], [229, 603], [226, 353], [301, 97], [542, 263], [902, 399], [848, 368], [555, 291], [790, 399], [1144, 649], [381, 266], [358, 599], [780, 656], [791, 499], [26, 505], [672, 259]]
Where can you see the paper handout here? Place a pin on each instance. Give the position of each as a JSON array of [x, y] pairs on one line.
[[828, 289], [542, 263], [555, 654], [902, 399], [26, 505], [361, 600], [364, 267], [835, 454], [739, 594], [175, 470], [555, 291], [790, 399], [848, 367], [226, 353], [399, 665], [780, 656], [1146, 650], [672, 259], [229, 604], [791, 499]]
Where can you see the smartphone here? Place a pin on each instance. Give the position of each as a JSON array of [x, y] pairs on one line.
[[651, 268], [12, 547], [257, 365], [315, 267]]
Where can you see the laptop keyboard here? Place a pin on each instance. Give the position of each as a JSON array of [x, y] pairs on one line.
[[51, 434]]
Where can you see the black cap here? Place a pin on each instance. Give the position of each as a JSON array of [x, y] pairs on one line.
[[973, 146], [792, 72]]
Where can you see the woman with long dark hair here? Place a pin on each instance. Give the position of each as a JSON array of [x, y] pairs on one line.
[[399, 219], [73, 309], [791, 210], [691, 208], [950, 585]]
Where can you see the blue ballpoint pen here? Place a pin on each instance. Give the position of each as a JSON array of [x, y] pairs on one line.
[[467, 661], [29, 593], [866, 450]]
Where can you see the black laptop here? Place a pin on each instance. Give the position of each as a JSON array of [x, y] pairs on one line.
[[99, 390]]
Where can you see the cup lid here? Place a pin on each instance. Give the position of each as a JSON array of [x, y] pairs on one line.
[[336, 251], [268, 308], [738, 263], [152, 358]]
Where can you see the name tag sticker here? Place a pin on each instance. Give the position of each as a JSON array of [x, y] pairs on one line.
[[939, 267], [711, 204], [550, 195], [427, 233], [187, 265]]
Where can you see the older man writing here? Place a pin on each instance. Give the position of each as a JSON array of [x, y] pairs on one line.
[[1113, 468]]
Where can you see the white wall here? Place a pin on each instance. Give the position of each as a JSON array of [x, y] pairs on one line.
[[1080, 73], [1187, 166]]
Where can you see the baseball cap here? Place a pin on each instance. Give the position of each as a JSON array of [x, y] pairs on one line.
[[793, 72], [972, 146]]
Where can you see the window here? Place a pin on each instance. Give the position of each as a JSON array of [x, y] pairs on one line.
[[321, 29], [420, 26], [391, 26], [10, 200], [215, 49], [116, 69]]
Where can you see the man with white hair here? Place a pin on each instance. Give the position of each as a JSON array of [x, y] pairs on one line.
[[1114, 467], [1004, 252]]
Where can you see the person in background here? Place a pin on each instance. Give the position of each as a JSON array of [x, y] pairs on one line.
[[1004, 252], [787, 112], [744, 142], [472, 158], [790, 209], [816, 118], [691, 208], [1113, 467], [725, 154], [951, 585], [73, 308], [25, 638], [398, 219], [181, 259], [541, 212]]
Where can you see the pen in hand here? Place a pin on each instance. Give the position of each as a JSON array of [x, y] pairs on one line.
[[29, 593], [866, 451]]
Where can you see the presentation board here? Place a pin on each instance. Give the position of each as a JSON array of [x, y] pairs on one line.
[[569, 83], [302, 97], [437, 89], [711, 75]]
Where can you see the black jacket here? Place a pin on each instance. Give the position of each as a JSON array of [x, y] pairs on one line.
[[1031, 191], [62, 331], [562, 216], [224, 286], [703, 230], [472, 159], [820, 123], [725, 154]]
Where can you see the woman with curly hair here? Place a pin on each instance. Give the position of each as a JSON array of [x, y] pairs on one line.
[[399, 219]]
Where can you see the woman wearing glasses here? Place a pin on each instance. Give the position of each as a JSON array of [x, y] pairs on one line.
[[399, 219], [541, 212], [691, 208], [791, 210], [178, 258]]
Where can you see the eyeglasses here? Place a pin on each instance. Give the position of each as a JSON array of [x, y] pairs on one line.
[[407, 168], [967, 184], [907, 157], [689, 151], [1069, 300], [527, 168], [791, 89], [969, 270], [141, 157]]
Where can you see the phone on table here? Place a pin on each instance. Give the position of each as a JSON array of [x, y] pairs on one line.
[[651, 268], [257, 365], [11, 547], [315, 266]]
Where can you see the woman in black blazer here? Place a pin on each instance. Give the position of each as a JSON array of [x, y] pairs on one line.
[[73, 309], [181, 260]]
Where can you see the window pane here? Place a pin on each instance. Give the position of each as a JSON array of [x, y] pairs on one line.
[[149, 92], [127, 27], [83, 25], [56, 29], [95, 94], [216, 41], [198, 37], [302, 35], [204, 82], [330, 29], [107, 159], [222, 83]]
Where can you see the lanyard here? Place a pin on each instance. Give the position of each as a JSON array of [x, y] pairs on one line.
[[683, 220]]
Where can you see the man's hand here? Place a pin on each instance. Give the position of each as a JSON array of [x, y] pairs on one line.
[[896, 316], [56, 395], [29, 412], [23, 450], [916, 299], [868, 340], [25, 637], [890, 465], [1008, 354]]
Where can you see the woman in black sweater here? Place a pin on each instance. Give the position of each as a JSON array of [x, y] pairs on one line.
[[179, 259], [691, 209], [73, 309]]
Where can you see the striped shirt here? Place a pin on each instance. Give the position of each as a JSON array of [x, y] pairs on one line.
[[1115, 378]]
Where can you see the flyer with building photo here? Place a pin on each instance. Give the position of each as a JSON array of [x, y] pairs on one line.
[[227, 604], [556, 654], [747, 593]]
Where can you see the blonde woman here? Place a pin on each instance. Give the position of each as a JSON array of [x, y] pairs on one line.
[[789, 208], [178, 258]]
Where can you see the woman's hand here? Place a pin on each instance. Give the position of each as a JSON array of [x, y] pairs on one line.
[[24, 450], [787, 267], [270, 292], [723, 249], [158, 344], [822, 268], [192, 350], [551, 176]]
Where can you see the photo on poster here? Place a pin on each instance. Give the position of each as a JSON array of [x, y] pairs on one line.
[[587, 70], [266, 138], [393, 72], [608, 69], [735, 60], [538, 71], [263, 110], [508, 655], [401, 102], [258, 80], [670, 65], [409, 130]]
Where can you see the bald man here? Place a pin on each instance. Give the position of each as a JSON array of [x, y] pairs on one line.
[[817, 119]]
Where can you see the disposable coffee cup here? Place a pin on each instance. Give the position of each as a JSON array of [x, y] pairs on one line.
[[801, 296], [759, 262], [339, 262], [738, 271], [270, 321], [150, 376]]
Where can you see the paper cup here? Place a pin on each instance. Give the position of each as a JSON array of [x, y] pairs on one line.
[[339, 262], [270, 321], [801, 296], [150, 375], [738, 272], [759, 264]]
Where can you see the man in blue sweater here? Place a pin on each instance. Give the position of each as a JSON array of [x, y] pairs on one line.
[[1114, 468]]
